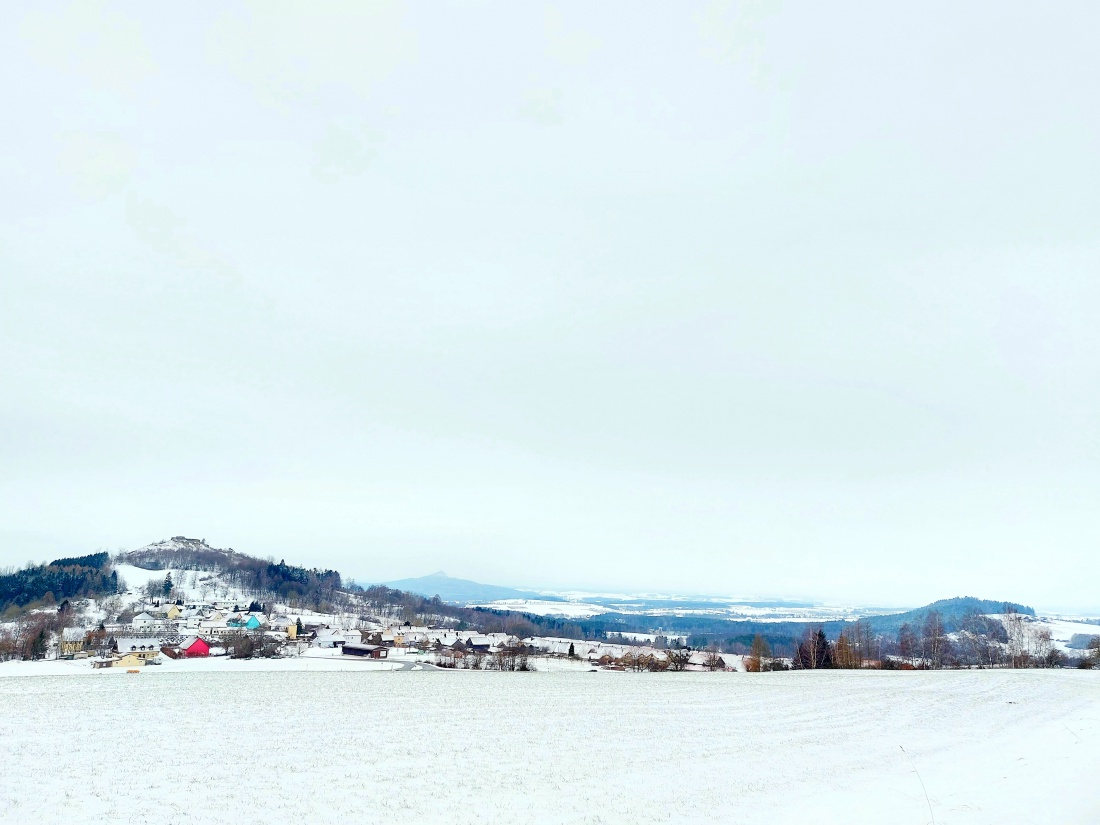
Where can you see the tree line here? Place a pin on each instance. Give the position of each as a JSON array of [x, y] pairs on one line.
[[980, 641]]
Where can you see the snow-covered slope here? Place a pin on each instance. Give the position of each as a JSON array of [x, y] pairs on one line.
[[137, 577]]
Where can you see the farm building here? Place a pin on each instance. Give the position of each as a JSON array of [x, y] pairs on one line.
[[367, 651], [194, 646]]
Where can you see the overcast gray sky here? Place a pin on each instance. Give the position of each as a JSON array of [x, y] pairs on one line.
[[757, 298]]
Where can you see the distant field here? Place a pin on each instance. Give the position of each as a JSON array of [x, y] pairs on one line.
[[462, 747]]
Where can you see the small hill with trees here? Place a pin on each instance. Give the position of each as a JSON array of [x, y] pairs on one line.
[[952, 613]]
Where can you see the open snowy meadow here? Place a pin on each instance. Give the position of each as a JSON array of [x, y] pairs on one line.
[[275, 748]]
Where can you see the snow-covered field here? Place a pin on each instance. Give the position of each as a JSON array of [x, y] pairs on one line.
[[581, 605], [1062, 630], [259, 746], [572, 610]]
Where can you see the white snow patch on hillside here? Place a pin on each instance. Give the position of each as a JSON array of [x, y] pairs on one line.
[[192, 584], [138, 577]]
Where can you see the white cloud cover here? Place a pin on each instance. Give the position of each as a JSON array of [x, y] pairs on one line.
[[784, 301]]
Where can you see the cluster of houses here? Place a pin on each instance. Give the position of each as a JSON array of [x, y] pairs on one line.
[[176, 631], [449, 646], [210, 621], [183, 631]]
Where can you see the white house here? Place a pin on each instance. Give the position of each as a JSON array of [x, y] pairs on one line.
[[327, 637], [211, 627], [143, 622]]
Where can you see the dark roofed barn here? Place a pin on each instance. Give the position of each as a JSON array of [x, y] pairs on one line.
[[367, 651]]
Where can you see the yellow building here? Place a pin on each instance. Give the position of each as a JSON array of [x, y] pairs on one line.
[[72, 641], [129, 660]]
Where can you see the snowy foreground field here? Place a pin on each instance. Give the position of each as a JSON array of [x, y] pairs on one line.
[[256, 747]]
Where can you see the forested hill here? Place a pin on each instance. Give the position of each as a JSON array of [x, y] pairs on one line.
[[311, 587], [952, 612], [47, 584]]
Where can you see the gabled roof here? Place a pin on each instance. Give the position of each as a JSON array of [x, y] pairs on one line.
[[132, 645], [143, 617]]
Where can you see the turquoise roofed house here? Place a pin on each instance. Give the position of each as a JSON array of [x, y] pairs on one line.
[[252, 623]]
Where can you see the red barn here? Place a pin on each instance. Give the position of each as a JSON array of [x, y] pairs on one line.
[[194, 646]]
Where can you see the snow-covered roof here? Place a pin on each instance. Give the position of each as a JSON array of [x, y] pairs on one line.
[[143, 617], [132, 645]]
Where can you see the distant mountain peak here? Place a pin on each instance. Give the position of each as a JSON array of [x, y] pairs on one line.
[[459, 591]]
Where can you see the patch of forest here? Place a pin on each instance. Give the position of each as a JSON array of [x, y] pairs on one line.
[[47, 584]]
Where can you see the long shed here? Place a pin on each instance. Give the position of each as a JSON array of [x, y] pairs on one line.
[[367, 651]]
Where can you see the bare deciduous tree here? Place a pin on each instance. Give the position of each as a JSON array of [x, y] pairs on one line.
[[678, 659], [934, 641], [712, 661]]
